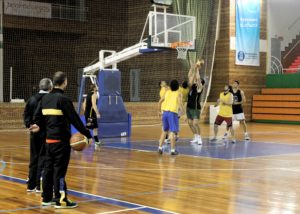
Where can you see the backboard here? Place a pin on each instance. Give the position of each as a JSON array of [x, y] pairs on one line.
[[168, 30]]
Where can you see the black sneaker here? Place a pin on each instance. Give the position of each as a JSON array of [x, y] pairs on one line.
[[99, 143], [31, 189], [160, 151], [65, 204], [38, 189], [175, 153], [52, 202]]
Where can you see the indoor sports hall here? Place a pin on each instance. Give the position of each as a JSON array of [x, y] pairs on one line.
[[150, 106]]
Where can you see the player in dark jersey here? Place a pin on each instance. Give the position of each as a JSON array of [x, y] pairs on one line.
[[237, 107], [193, 109], [91, 112]]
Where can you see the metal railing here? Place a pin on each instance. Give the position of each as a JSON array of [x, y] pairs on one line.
[[290, 51], [276, 66], [69, 12]]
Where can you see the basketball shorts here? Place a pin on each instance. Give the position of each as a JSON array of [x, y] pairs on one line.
[[170, 121], [238, 117], [193, 114], [219, 120]]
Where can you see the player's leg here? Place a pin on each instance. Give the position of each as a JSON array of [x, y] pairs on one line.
[[165, 129], [41, 165], [61, 162], [33, 166], [225, 136], [217, 123], [47, 184], [241, 118], [228, 121], [174, 128], [216, 129], [197, 130], [190, 123]]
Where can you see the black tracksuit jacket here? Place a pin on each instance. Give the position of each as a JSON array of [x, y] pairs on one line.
[[57, 112]]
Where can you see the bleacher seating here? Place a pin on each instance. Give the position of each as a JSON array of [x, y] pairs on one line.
[[295, 66], [278, 105]]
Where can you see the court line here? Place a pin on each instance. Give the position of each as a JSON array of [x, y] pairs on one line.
[[17, 163], [13, 147], [206, 157], [264, 156], [108, 200], [22, 209], [157, 124], [294, 169], [124, 210], [193, 169]]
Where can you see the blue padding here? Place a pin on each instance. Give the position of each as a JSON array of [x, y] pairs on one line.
[[112, 109], [113, 129], [109, 82], [150, 50]]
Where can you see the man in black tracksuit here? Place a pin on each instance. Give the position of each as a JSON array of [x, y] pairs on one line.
[[37, 140], [58, 112]]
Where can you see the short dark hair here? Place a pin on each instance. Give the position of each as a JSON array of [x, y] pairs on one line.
[[237, 82], [202, 81], [59, 78], [174, 85], [184, 84], [92, 87]]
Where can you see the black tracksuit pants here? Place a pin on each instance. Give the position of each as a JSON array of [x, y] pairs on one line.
[[56, 164], [37, 155]]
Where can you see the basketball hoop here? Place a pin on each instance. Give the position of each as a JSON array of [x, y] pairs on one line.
[[182, 48], [182, 52]]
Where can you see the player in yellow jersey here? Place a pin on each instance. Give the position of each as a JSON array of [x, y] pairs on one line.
[[172, 105], [163, 89], [225, 102], [184, 89]]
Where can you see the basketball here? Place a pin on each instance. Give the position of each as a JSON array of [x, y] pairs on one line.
[[78, 142], [199, 62]]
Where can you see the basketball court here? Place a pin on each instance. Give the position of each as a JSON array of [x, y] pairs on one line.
[[123, 49], [248, 177]]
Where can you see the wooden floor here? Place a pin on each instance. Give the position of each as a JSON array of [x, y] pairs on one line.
[[116, 180]]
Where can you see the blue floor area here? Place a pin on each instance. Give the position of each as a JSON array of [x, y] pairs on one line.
[[218, 149]]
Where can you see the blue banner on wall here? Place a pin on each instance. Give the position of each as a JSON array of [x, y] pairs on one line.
[[247, 32]]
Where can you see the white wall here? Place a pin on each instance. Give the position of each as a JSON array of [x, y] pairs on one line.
[[281, 15]]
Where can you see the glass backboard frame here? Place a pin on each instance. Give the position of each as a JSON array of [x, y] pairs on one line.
[[165, 27]]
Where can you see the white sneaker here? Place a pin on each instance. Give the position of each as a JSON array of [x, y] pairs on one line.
[[199, 141], [247, 136], [195, 140]]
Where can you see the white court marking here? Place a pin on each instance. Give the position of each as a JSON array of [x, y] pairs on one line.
[[124, 210]]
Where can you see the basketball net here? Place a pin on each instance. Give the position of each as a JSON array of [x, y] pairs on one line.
[[182, 52], [182, 48]]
